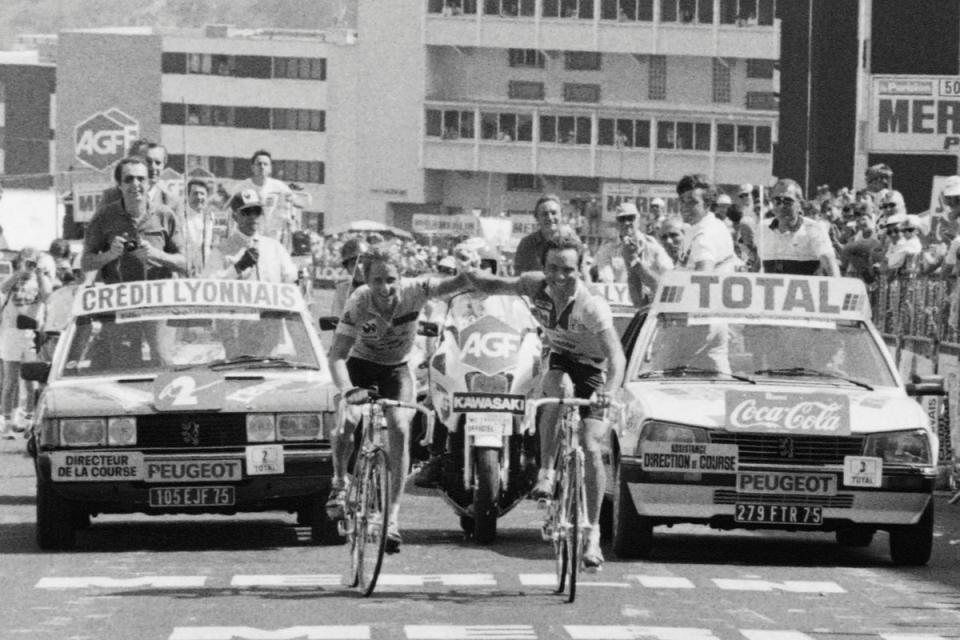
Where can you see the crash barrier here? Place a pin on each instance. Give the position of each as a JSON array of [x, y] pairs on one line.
[[918, 319]]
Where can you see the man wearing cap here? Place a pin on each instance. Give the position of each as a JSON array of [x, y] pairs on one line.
[[351, 259], [658, 213], [903, 245], [634, 257], [792, 243], [246, 254], [720, 209], [133, 238], [890, 201]]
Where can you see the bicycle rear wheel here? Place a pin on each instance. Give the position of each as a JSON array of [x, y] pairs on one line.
[[573, 544], [370, 532], [557, 519]]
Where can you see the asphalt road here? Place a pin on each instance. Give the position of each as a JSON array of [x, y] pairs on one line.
[[255, 576]]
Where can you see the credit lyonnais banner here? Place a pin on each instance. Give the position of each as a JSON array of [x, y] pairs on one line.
[[914, 113]]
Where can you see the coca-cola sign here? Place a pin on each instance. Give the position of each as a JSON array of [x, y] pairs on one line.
[[794, 413]]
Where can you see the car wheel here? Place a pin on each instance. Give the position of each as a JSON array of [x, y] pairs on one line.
[[911, 545], [632, 533], [606, 519], [56, 519], [855, 536], [323, 530]]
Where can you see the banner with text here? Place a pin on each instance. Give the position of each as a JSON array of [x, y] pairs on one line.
[[914, 113]]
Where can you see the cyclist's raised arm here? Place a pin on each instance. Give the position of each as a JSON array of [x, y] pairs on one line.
[[526, 284], [444, 287]]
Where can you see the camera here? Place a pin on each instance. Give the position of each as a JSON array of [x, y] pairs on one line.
[[131, 245]]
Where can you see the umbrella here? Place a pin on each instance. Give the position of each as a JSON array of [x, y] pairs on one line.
[[369, 226]]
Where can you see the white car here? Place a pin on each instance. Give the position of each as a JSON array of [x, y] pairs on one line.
[[183, 396], [769, 401]]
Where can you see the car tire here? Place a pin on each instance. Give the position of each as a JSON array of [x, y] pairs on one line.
[[855, 536], [632, 533], [56, 520], [606, 519], [912, 544], [323, 530]]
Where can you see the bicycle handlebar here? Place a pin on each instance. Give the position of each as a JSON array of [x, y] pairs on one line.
[[530, 413]]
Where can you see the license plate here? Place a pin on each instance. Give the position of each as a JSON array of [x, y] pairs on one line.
[[778, 514], [211, 496], [489, 424]]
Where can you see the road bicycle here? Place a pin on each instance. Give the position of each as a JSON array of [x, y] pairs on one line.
[[566, 525], [367, 505]]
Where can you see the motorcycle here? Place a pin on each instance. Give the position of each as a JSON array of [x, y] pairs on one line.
[[485, 363]]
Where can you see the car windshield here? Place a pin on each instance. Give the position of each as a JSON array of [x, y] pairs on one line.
[[149, 340], [814, 352]]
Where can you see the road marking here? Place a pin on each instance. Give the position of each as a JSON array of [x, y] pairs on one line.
[[446, 580], [791, 586], [663, 582], [913, 636], [766, 634], [635, 632], [103, 582], [473, 632], [332, 632], [305, 580]]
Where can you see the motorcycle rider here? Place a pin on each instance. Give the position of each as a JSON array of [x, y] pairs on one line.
[[583, 344], [370, 348]]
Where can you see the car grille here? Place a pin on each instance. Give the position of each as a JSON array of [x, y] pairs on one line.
[[191, 430], [767, 448], [729, 496]]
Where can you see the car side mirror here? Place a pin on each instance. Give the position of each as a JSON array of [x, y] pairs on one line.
[[328, 323], [428, 329], [35, 371], [26, 322], [932, 385]]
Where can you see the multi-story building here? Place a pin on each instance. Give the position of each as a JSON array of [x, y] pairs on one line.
[[481, 104], [211, 96], [27, 107]]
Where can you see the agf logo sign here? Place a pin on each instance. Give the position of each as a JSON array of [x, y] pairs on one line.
[[103, 138]]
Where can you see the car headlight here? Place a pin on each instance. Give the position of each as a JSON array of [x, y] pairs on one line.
[[121, 431], [299, 426], [656, 431], [83, 432], [900, 447], [261, 427]]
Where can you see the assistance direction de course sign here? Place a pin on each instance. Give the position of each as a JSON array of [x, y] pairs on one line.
[[688, 456]]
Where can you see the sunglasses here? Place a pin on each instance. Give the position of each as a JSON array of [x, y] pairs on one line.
[[888, 205], [132, 179], [893, 232], [782, 200], [252, 211]]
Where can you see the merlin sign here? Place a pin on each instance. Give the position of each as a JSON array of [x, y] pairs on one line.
[[915, 113], [103, 138]]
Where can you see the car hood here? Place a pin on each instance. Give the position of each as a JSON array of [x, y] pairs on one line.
[[767, 408], [287, 391]]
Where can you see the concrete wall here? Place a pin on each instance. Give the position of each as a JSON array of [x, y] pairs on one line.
[[29, 98]]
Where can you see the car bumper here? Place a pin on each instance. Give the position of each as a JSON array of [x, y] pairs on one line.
[[712, 499], [305, 474]]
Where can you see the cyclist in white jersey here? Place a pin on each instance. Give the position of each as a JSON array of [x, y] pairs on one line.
[[584, 345], [370, 348]]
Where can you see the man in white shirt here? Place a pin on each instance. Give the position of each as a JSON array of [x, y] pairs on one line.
[[279, 222], [792, 243], [246, 254], [198, 226], [707, 245]]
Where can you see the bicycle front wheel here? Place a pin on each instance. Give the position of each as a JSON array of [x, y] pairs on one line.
[[370, 532], [573, 542], [556, 523]]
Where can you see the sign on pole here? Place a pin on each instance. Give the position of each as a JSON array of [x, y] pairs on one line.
[[103, 138]]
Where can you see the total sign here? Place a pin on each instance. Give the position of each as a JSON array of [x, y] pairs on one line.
[[489, 345], [103, 138]]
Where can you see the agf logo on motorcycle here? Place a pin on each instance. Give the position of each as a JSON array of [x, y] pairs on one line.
[[487, 344], [103, 138]]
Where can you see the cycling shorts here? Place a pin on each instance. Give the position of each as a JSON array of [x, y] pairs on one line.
[[392, 381], [586, 381]]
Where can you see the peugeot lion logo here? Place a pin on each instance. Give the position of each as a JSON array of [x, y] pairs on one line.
[[785, 446], [190, 431]]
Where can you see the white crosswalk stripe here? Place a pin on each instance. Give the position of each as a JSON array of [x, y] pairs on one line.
[[471, 632], [664, 582], [104, 582], [306, 580], [445, 580], [635, 632], [550, 580], [318, 632], [791, 586]]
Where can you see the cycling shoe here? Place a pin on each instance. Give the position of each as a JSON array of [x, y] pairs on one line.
[[393, 540]]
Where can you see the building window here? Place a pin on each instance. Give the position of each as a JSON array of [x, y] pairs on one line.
[[686, 11], [683, 136], [526, 58], [452, 7], [760, 68], [450, 124], [763, 100], [509, 8], [721, 80], [521, 90], [581, 92], [745, 13], [657, 78], [217, 64], [623, 133], [627, 10], [580, 183], [506, 127], [743, 138], [524, 182], [298, 119], [565, 129], [582, 60], [582, 9], [300, 68]]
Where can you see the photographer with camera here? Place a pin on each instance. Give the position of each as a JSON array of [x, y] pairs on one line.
[[133, 239], [24, 293]]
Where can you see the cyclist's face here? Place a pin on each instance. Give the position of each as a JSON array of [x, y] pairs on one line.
[[383, 279], [561, 269]]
